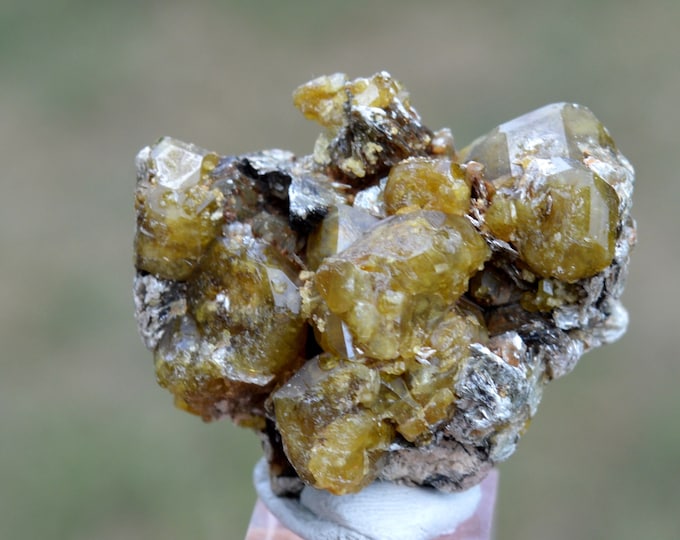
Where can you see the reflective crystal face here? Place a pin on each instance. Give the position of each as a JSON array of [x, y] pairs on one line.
[[374, 286], [370, 124], [178, 211], [385, 307], [339, 416], [559, 130], [242, 332], [340, 228], [559, 214], [567, 229], [427, 184]]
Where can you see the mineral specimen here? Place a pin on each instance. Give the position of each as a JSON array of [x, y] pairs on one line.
[[385, 307]]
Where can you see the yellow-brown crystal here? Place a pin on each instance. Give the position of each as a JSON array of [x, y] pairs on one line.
[[328, 429], [322, 99], [425, 183], [372, 285], [370, 124], [551, 203], [566, 229], [179, 211], [243, 333], [336, 417]]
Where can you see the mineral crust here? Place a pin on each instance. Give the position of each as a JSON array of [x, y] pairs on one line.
[[386, 307]]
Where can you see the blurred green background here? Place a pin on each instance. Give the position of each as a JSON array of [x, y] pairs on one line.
[[91, 448]]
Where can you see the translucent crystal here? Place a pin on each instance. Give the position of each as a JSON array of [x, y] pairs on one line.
[[327, 430], [427, 184], [370, 123], [337, 417], [567, 229], [559, 130], [178, 208], [242, 334], [374, 285], [341, 227], [551, 201]]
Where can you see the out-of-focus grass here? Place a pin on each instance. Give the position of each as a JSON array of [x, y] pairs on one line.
[[90, 448]]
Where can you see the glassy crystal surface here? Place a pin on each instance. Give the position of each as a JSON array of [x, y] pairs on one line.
[[370, 124], [385, 307], [550, 201], [340, 228], [375, 286], [428, 184], [242, 332], [178, 211]]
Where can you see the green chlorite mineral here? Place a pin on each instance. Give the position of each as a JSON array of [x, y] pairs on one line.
[[387, 307]]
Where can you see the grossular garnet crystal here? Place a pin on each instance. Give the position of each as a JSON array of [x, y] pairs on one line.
[[551, 202], [386, 307]]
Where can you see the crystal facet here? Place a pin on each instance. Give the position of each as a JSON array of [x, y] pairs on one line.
[[178, 210], [550, 202], [376, 285]]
